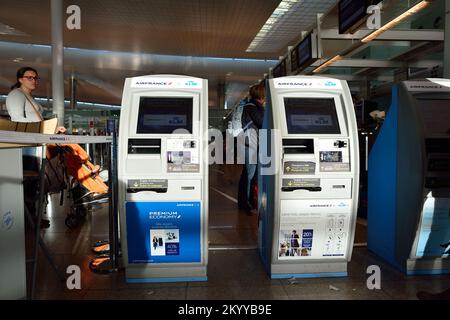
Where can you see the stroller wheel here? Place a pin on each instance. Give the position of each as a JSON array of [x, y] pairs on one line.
[[72, 221]]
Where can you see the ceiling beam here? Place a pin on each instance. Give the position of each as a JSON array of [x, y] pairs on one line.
[[349, 77], [371, 63], [391, 35]]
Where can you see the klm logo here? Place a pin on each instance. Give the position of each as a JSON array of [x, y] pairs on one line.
[[191, 83], [330, 84], [342, 205]]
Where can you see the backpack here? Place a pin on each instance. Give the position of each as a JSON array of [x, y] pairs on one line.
[[55, 174], [236, 118]]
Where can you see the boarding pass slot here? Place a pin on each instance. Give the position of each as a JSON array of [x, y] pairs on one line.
[[298, 146], [157, 190], [174, 190], [315, 188], [144, 146], [310, 189]]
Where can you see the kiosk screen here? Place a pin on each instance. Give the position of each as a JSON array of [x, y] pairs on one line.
[[436, 115], [164, 115], [311, 116]]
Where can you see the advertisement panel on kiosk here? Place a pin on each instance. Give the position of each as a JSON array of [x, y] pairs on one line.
[[409, 180], [163, 179], [309, 202]]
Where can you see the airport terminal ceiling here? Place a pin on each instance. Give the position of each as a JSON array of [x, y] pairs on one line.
[[204, 38]]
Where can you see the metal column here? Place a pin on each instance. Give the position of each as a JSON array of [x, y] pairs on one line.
[[73, 92], [447, 41], [57, 60]]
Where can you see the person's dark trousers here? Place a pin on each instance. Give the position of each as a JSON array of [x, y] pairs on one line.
[[244, 201], [242, 191]]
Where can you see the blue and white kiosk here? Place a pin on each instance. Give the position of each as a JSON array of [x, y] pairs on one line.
[[309, 188], [409, 180], [163, 178]]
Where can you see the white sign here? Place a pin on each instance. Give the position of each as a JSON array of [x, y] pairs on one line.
[[173, 83], [305, 83], [428, 86]]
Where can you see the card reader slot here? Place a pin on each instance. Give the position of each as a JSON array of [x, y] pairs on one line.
[[137, 190], [310, 189]]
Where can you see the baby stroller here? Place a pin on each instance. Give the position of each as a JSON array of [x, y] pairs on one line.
[[84, 183]]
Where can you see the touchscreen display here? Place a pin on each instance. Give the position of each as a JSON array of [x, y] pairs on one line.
[[311, 116], [164, 115]]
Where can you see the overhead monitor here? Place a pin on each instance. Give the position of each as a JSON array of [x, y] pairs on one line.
[[304, 53], [164, 115], [352, 14], [294, 59], [280, 69], [311, 116]]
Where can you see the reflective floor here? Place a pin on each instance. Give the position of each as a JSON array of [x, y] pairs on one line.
[[235, 271]]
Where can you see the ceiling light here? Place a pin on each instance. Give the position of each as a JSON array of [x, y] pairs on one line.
[[411, 11], [273, 20], [10, 31]]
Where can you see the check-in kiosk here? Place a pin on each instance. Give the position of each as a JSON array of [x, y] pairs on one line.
[[308, 204], [409, 180], [163, 178]]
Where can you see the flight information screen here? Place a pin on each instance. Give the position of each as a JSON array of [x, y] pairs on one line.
[[311, 116], [164, 115]]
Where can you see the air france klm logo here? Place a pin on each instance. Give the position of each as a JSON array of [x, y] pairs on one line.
[[153, 83], [58, 139], [431, 86], [300, 84]]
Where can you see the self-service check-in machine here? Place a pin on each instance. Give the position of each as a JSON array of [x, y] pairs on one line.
[[308, 206], [163, 179], [409, 180]]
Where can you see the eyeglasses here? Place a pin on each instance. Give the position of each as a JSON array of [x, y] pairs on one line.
[[30, 78]]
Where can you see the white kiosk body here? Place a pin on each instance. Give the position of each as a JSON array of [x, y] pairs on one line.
[[163, 178], [12, 227], [315, 191]]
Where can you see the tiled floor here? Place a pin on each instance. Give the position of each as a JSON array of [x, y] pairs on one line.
[[233, 274]]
